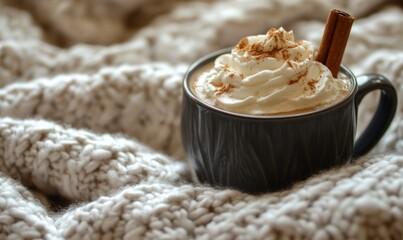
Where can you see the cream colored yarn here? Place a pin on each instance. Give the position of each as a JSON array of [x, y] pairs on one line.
[[90, 147]]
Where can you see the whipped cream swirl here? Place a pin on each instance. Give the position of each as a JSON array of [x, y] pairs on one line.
[[269, 74]]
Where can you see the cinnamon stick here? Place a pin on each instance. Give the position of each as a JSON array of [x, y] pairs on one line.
[[334, 40]]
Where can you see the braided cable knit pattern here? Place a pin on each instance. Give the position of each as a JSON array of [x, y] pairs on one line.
[[77, 164], [113, 100]]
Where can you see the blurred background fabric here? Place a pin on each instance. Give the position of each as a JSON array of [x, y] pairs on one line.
[[90, 102]]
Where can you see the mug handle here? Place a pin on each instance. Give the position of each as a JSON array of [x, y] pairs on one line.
[[383, 115]]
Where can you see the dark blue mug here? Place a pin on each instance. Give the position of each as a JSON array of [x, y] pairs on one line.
[[256, 154]]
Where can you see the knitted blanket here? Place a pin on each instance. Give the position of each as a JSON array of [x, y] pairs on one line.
[[90, 148]]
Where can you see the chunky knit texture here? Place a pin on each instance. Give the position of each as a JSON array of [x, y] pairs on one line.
[[90, 148]]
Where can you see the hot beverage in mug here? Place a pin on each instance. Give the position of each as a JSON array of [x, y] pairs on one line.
[[264, 114]]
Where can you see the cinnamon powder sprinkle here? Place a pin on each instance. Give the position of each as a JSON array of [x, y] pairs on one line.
[[225, 68], [278, 35], [286, 55], [242, 44], [217, 85], [257, 49], [224, 88], [293, 81], [297, 78], [311, 84], [290, 64]]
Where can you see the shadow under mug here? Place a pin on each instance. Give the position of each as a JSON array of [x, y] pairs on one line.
[[256, 154]]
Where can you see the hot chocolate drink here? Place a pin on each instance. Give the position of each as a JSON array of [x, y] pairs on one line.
[[269, 75]]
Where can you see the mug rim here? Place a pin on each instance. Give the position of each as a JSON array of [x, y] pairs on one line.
[[210, 57]]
